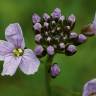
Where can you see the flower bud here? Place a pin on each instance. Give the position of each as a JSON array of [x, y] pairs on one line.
[[56, 13], [62, 45], [46, 24], [37, 27], [70, 50], [38, 38], [54, 70], [36, 18], [49, 39], [46, 16], [62, 18], [39, 50], [67, 28], [81, 38], [50, 50], [73, 35], [72, 18]]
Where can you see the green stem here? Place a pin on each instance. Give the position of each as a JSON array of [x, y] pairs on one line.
[[47, 75]]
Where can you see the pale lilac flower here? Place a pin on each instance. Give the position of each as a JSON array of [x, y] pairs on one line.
[[56, 13], [90, 88], [50, 50], [37, 27], [36, 18], [14, 55]]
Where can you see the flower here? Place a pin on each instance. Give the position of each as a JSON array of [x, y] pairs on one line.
[[36, 18], [55, 70], [90, 88], [15, 55]]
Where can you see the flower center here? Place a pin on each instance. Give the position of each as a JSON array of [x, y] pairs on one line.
[[18, 52]]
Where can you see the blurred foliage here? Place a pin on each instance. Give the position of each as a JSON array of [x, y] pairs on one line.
[[75, 70]]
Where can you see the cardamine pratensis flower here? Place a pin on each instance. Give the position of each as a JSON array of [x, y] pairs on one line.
[[90, 88], [15, 55], [90, 29], [55, 33]]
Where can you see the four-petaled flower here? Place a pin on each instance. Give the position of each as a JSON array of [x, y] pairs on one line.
[[15, 55]]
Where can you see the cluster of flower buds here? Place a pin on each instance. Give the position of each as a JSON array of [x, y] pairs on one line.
[[54, 34]]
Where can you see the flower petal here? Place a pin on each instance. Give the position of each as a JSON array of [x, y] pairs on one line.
[[90, 88], [13, 34], [11, 63], [5, 48], [30, 63]]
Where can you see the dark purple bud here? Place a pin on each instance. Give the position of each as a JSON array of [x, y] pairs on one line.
[[72, 18], [37, 27], [62, 45], [70, 50], [62, 18], [90, 88], [55, 70], [39, 50], [50, 50], [46, 17], [36, 18], [46, 24], [38, 38], [73, 35], [81, 38], [56, 13]]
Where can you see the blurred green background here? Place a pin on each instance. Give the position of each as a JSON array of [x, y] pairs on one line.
[[75, 70]]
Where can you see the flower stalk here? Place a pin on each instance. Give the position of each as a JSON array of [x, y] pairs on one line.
[[47, 75]]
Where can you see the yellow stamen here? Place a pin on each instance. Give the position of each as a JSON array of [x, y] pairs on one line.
[[18, 52]]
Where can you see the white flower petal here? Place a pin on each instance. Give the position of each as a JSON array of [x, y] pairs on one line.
[[11, 63], [5, 48], [30, 62], [13, 34]]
